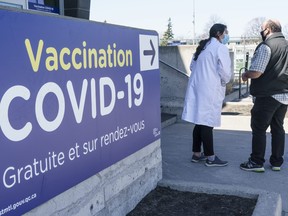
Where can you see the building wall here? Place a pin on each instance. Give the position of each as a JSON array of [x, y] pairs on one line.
[[77, 8], [177, 56]]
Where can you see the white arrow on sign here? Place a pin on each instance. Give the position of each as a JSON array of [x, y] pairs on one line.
[[149, 52]]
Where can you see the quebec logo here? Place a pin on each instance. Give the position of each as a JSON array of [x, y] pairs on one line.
[[156, 132]]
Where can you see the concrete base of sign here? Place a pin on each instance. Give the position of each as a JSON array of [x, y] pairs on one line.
[[113, 191]]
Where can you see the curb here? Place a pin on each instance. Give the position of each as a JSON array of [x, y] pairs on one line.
[[268, 203]]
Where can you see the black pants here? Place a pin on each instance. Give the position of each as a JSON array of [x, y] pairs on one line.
[[268, 112], [203, 134]]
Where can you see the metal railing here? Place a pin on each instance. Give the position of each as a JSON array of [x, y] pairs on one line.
[[240, 77], [174, 68]]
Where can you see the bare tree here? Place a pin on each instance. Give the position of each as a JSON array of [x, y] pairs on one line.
[[285, 31], [212, 20], [253, 28]]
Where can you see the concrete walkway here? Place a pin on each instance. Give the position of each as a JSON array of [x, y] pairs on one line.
[[232, 142]]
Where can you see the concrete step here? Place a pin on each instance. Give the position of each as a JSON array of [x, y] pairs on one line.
[[167, 119]]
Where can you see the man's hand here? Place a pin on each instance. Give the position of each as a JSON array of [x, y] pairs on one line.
[[244, 77], [251, 75]]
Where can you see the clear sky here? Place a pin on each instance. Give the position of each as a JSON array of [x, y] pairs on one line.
[[154, 14]]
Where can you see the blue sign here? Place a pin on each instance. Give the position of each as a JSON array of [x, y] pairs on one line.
[[39, 5], [75, 98]]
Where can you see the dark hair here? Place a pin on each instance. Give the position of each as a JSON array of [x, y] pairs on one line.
[[274, 26], [215, 31]]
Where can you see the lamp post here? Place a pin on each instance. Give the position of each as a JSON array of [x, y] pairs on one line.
[[194, 33]]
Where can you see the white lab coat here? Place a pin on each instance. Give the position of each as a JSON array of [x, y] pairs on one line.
[[206, 86]]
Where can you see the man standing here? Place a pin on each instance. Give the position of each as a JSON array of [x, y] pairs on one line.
[[269, 86]]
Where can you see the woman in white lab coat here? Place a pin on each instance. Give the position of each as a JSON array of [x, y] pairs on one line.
[[210, 72]]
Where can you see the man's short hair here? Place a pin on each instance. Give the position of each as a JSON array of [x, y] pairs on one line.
[[274, 25]]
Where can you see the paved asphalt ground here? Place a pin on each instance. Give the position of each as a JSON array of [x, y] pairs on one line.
[[232, 142]]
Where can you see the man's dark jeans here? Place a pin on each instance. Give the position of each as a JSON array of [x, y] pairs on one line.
[[268, 112]]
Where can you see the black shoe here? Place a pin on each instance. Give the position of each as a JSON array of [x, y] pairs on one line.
[[252, 166], [196, 159], [216, 163]]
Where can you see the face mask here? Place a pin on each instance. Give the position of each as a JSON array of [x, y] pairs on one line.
[[262, 35], [225, 40]]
